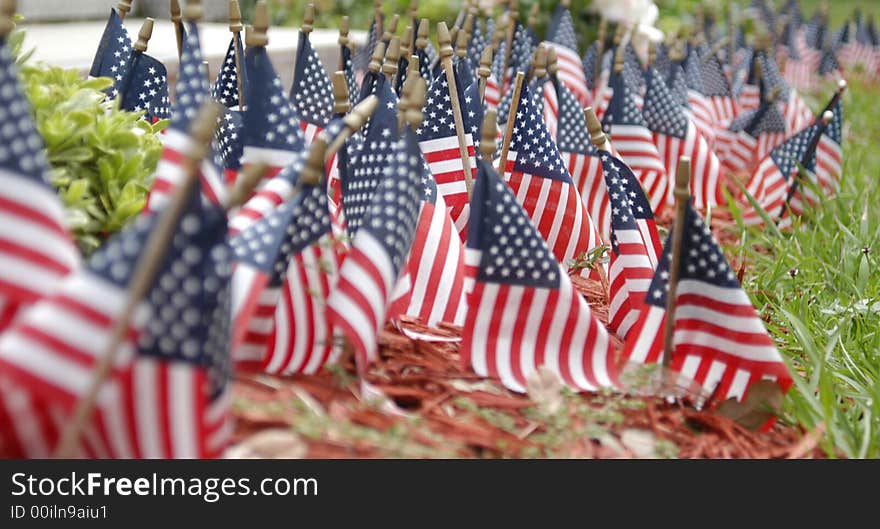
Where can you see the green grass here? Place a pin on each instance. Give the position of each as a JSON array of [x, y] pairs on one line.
[[820, 286]]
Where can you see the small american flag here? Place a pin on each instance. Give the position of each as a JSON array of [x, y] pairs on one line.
[[717, 90], [346, 62], [829, 151], [581, 158], [750, 137], [771, 181], [144, 87], [225, 89], [439, 144], [434, 271], [589, 67], [229, 142], [539, 178], [631, 268], [114, 50], [286, 265], [634, 142], [362, 57], [675, 135], [523, 312], [795, 110], [387, 220], [702, 112], [192, 90], [478, 42], [166, 394], [271, 135], [36, 249], [311, 93], [719, 339], [571, 70]]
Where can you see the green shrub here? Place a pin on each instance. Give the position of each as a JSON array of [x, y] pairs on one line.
[[102, 158]]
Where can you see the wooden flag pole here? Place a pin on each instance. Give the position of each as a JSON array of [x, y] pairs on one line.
[[353, 121], [376, 59], [597, 135], [123, 8], [538, 68], [256, 35], [532, 20], [392, 58], [7, 17], [822, 124], [235, 26], [484, 71], [146, 269], [682, 194], [344, 41], [600, 48], [511, 29], [341, 100], [247, 181], [177, 22], [422, 33], [377, 18], [488, 133], [445, 42], [313, 169], [511, 118]]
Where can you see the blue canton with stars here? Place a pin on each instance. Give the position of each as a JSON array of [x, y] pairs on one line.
[[311, 92], [791, 152], [438, 120], [114, 51], [536, 152], [693, 72], [190, 298], [348, 70], [145, 87], [622, 109], [701, 260], [835, 126], [366, 168], [363, 54], [225, 89], [572, 134], [477, 44], [21, 147], [632, 68], [589, 64], [662, 113], [229, 139], [766, 119], [270, 120], [714, 81], [562, 32], [393, 212], [192, 87], [292, 227], [513, 252], [773, 78], [636, 199], [677, 84], [622, 217]]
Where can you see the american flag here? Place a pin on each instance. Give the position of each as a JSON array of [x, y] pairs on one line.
[[523, 312], [36, 250], [546, 101], [346, 63], [539, 178], [582, 160], [589, 67], [772, 179], [434, 271], [701, 109], [717, 90], [286, 265], [311, 93], [634, 142], [439, 144], [795, 110], [478, 42], [362, 56], [229, 142], [192, 90], [829, 66], [719, 340], [271, 135], [225, 89], [571, 71], [675, 135], [750, 137], [631, 268], [829, 151], [387, 220], [144, 87], [114, 50], [746, 85], [166, 395]]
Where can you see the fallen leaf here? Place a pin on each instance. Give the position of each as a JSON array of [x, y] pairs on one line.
[[275, 443], [544, 387], [762, 403]]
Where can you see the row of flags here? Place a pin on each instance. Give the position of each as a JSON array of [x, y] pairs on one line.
[[414, 212]]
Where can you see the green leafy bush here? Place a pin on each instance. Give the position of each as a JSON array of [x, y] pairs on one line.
[[102, 158]]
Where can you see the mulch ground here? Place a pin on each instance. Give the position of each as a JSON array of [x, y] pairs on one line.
[[434, 407]]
